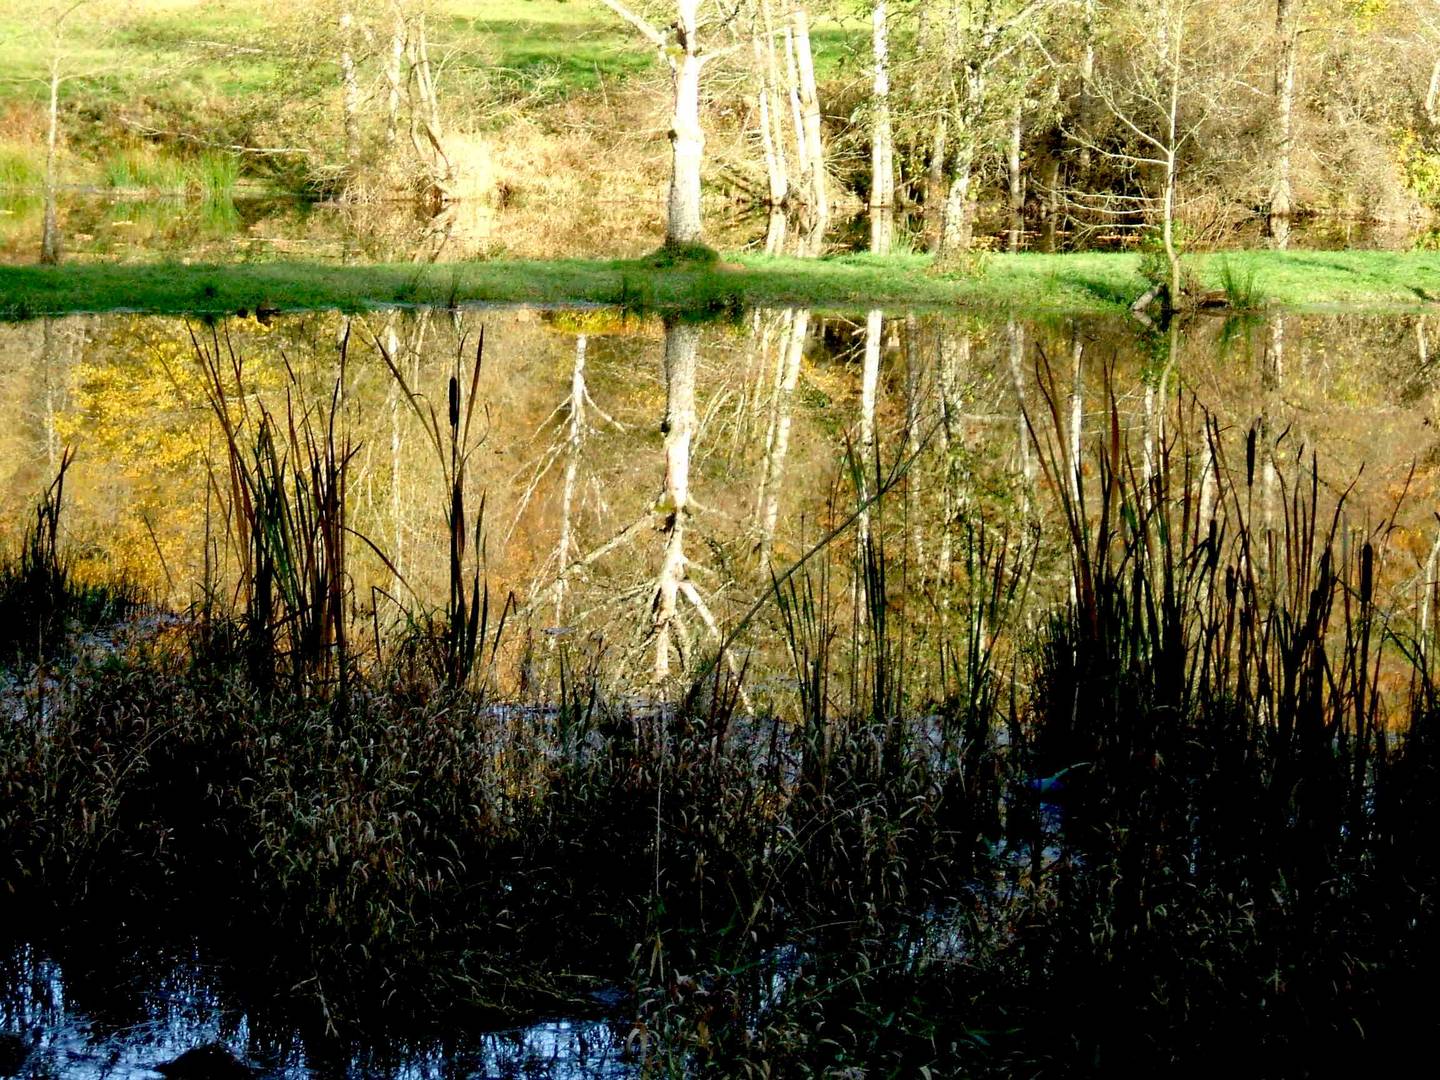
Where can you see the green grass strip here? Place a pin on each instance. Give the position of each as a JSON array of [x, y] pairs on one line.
[[1028, 284]]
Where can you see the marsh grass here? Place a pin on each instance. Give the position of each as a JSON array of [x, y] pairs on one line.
[[1241, 287], [42, 603]]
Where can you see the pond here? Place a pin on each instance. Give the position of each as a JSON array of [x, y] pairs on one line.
[[254, 225], [634, 494], [567, 448]]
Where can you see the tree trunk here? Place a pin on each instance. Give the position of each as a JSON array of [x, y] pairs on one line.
[[957, 232], [682, 346], [50, 229], [687, 138], [1017, 181], [773, 150], [1087, 79], [882, 153], [1172, 151], [392, 75], [1280, 200], [935, 185], [350, 94], [1432, 94], [818, 197]]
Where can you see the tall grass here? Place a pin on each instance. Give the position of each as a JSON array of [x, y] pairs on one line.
[[467, 624], [143, 168], [211, 176], [21, 167], [286, 521], [42, 605]]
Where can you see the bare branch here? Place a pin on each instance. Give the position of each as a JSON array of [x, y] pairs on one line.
[[651, 34]]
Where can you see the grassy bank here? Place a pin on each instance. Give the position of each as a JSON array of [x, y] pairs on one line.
[[1082, 284]]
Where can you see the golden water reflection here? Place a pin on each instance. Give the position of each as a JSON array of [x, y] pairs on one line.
[[643, 481]]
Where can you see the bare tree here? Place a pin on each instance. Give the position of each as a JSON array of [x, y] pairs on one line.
[[56, 20], [680, 46], [980, 38], [1286, 33], [1167, 84], [882, 148]]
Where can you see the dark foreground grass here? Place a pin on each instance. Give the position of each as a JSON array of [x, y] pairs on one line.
[[1245, 874], [1028, 284]]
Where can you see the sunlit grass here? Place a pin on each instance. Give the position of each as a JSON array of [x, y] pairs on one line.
[[1031, 284]]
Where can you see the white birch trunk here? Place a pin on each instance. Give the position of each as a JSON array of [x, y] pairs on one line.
[[882, 151], [818, 196], [687, 145], [1017, 181], [50, 229], [1280, 199]]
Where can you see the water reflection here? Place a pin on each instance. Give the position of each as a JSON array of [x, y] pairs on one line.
[[76, 1020], [643, 480]]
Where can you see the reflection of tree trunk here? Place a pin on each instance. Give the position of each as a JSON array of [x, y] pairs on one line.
[[914, 401], [1077, 410], [1285, 32], [882, 154], [1271, 377], [682, 346], [50, 230], [54, 381], [572, 467], [397, 544], [869, 391], [1015, 338], [954, 357], [790, 353]]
